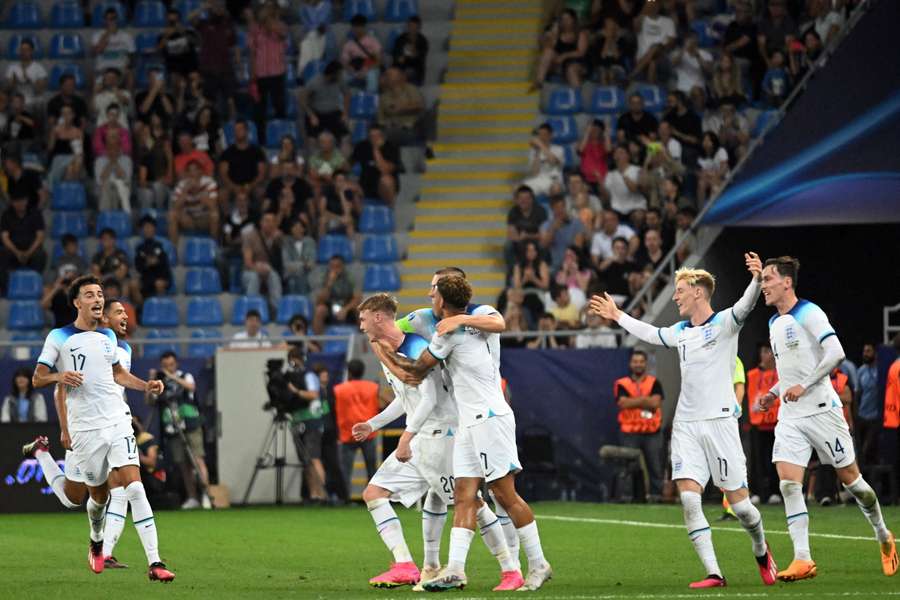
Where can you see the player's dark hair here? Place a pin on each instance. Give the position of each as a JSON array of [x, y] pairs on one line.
[[638, 352], [451, 271], [355, 369], [168, 354], [80, 282], [107, 306], [786, 266], [455, 291]]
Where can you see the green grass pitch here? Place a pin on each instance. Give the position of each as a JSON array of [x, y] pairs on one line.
[[597, 551]]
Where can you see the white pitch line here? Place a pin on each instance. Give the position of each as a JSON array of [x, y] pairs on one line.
[[833, 536]]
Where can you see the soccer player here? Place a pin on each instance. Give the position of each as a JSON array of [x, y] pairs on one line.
[[485, 447], [96, 424], [422, 461], [705, 437], [806, 349]]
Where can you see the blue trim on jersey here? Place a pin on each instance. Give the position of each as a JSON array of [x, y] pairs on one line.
[[799, 308], [412, 346], [826, 336], [49, 366], [772, 319], [110, 334], [706, 322], [736, 320], [124, 345], [472, 308], [431, 352], [659, 333]]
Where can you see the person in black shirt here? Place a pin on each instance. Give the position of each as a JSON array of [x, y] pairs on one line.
[[636, 124], [154, 100], [243, 165], [523, 223], [411, 50], [380, 162], [21, 126], [740, 41], [23, 183], [109, 257], [298, 190], [56, 298], [151, 261], [620, 274], [22, 233], [686, 125], [178, 46], [67, 97]]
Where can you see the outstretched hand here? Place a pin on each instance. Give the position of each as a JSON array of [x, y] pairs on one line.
[[754, 264], [605, 306]]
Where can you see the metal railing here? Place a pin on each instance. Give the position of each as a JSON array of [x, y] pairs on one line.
[[890, 330]]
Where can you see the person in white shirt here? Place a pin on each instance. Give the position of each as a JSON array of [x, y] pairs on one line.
[[597, 335], [810, 416], [610, 229], [253, 336], [827, 22], [706, 441], [713, 166], [622, 187], [545, 160], [655, 37], [692, 64], [112, 47], [27, 76], [109, 92]]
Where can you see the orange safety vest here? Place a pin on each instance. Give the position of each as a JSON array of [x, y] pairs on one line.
[[892, 397], [759, 383], [635, 420], [839, 382]]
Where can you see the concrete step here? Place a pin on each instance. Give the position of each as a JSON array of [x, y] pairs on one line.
[[486, 61], [463, 163], [463, 263], [493, 53], [470, 12], [462, 177], [421, 280], [453, 129], [482, 233], [465, 192], [446, 223], [493, 148]]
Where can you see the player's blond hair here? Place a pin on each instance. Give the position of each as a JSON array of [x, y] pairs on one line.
[[380, 302], [697, 277]]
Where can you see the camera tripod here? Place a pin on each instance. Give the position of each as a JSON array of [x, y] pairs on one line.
[[273, 455]]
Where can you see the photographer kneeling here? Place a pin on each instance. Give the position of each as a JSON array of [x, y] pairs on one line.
[[307, 423], [182, 427]]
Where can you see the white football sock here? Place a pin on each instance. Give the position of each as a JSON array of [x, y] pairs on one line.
[[699, 531], [460, 540], [434, 515], [870, 507], [509, 530], [797, 517], [54, 476], [492, 534], [142, 515], [115, 519], [388, 525], [531, 543], [97, 517], [752, 523]]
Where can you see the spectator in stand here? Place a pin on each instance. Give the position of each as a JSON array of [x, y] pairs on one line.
[[565, 311], [243, 164], [326, 103], [651, 253], [112, 288], [379, 160], [67, 96], [151, 261], [287, 161], [23, 404], [190, 98], [686, 125], [868, 415], [298, 258], [112, 47], [575, 272], [740, 42], [636, 124], [763, 477], [288, 195], [188, 153], [112, 171], [594, 149], [621, 275], [531, 276], [712, 166], [547, 340], [155, 166], [776, 32], [300, 328], [109, 256], [22, 233], [253, 336], [355, 401], [560, 231], [361, 56], [111, 127], [267, 40], [684, 234], [335, 207], [692, 64], [66, 147], [622, 186], [21, 126], [27, 76], [610, 229], [575, 186], [732, 129], [599, 333], [154, 100], [219, 54], [55, 299], [337, 298], [663, 160], [608, 53], [209, 136], [801, 62], [178, 46], [22, 182], [68, 260], [827, 22], [239, 218], [655, 38], [401, 109], [195, 206], [565, 50], [726, 82], [326, 161], [514, 316], [545, 161], [108, 92], [262, 259], [410, 51], [776, 84], [523, 223]]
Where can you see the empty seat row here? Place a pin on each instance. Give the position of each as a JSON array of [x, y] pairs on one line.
[[207, 311], [605, 100], [201, 349]]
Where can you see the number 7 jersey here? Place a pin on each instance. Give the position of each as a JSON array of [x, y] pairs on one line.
[[97, 402]]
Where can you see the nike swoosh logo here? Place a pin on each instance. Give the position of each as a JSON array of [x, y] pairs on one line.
[[489, 474], [74, 349], [132, 457]]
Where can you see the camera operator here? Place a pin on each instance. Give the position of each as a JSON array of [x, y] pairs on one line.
[[307, 423], [179, 394]]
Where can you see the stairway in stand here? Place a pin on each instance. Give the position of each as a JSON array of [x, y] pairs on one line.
[[485, 117]]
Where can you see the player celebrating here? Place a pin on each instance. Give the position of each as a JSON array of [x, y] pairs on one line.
[[705, 437], [422, 460], [485, 447], [806, 350], [96, 422]]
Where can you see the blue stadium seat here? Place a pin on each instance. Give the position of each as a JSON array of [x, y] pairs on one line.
[[359, 131], [293, 304], [25, 314], [24, 14], [156, 349], [242, 304], [202, 281], [34, 351], [66, 45], [706, 37], [398, 11], [66, 14], [228, 130], [565, 129], [149, 13], [365, 8], [380, 248], [312, 68], [146, 42], [73, 69], [338, 346], [68, 195], [100, 8], [199, 252], [25, 285], [203, 350], [186, 7], [572, 161], [205, 312], [564, 101], [159, 312], [12, 46], [363, 105], [391, 40], [291, 75], [74, 222], [381, 278], [762, 121], [654, 97], [313, 16], [291, 108], [607, 100], [278, 128], [117, 220], [331, 245], [376, 219]]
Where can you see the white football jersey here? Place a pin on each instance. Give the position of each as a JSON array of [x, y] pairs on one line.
[[97, 402], [443, 418], [796, 338], [424, 323], [474, 373]]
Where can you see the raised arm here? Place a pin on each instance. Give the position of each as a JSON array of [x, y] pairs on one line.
[[605, 307], [742, 308]]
